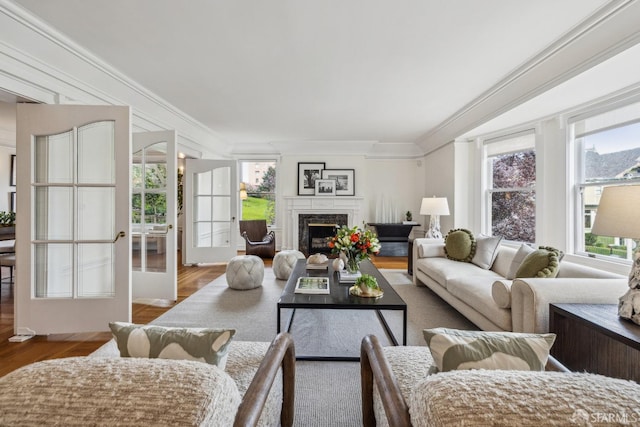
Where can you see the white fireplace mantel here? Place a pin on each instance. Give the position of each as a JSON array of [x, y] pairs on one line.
[[296, 205]]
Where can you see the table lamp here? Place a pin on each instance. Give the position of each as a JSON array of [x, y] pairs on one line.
[[434, 206], [617, 216]]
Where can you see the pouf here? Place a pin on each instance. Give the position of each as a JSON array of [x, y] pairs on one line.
[[283, 263], [245, 272]]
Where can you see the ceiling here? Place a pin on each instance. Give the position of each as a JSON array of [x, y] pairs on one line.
[[310, 70]]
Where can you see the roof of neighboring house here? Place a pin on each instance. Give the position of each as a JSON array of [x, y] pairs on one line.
[[610, 165]]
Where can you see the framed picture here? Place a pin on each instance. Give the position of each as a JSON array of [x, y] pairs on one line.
[[344, 178], [12, 177], [325, 187], [308, 173], [13, 201]]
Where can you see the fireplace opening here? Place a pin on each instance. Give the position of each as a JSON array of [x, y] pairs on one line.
[[326, 226], [319, 235]]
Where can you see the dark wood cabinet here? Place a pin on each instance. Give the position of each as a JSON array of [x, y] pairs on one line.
[[593, 338], [393, 237]]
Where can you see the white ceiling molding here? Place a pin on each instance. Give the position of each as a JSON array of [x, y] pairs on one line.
[[395, 150], [28, 70], [611, 30], [324, 148]]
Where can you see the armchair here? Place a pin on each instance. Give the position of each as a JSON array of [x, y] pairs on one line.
[[258, 241]]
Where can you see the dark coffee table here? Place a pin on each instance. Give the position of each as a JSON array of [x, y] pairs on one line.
[[340, 299]]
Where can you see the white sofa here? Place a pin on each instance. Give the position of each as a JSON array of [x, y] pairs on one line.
[[493, 302]]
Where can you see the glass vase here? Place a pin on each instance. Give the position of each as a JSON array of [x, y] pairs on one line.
[[352, 265]]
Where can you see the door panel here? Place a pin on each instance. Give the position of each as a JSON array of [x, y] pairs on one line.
[[73, 274], [211, 211], [154, 214]]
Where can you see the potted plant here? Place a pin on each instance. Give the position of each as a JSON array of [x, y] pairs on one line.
[[366, 286], [7, 223], [409, 216]]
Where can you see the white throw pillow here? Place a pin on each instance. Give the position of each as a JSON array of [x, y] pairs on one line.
[[486, 250], [520, 255], [428, 250]]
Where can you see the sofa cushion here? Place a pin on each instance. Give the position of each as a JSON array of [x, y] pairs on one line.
[[543, 262], [442, 270], [118, 391], [454, 349], [460, 245], [503, 260], [516, 398], [151, 341], [476, 291], [520, 255], [486, 250]]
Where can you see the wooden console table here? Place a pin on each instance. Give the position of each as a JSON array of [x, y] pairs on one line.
[[592, 338]]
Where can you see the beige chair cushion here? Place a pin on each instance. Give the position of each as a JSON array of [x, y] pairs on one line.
[[516, 398], [82, 391]]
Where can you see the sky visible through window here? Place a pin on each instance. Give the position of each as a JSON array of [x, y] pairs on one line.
[[614, 140]]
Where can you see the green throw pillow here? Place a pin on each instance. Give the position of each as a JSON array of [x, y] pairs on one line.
[[460, 245], [543, 262], [150, 341], [454, 349]]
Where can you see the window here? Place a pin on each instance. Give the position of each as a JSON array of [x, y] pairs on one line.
[[259, 179], [607, 153], [511, 180]]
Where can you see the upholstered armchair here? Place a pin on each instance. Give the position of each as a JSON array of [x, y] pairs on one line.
[[258, 241]]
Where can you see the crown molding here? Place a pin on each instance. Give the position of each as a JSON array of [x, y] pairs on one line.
[[73, 91], [605, 33]]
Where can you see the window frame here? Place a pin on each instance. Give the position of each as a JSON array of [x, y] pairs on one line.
[[250, 161], [487, 173], [579, 183]]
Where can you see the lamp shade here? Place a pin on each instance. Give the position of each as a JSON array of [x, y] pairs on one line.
[[617, 214], [434, 206]]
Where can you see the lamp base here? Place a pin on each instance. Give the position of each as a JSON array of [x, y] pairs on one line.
[[629, 306], [434, 228], [629, 303]]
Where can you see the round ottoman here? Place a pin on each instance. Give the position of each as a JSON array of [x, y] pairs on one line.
[[283, 263], [245, 272]]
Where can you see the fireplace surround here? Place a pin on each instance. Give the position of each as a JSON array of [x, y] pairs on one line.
[[297, 208]]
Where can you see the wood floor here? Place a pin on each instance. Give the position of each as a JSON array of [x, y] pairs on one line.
[[190, 279]]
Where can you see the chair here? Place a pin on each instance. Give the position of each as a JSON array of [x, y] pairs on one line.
[[258, 241], [8, 256], [130, 390]]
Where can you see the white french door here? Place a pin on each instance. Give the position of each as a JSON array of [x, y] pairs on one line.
[[72, 240], [211, 204], [153, 215]]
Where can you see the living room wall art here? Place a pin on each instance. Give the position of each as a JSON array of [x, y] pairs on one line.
[[308, 173], [325, 187], [344, 178]]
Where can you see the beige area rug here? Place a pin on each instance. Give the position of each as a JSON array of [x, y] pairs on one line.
[[327, 393]]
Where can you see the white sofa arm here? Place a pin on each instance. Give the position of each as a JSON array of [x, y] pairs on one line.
[[530, 298]]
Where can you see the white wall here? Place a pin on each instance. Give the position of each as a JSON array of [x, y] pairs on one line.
[[440, 170]]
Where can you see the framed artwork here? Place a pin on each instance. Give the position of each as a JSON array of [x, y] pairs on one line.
[[308, 173], [12, 177], [13, 201], [325, 187], [344, 178]]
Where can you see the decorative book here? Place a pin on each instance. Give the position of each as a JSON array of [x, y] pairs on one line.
[[346, 277], [312, 285]]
